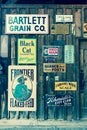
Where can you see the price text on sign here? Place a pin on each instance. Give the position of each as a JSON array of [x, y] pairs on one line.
[[59, 86]]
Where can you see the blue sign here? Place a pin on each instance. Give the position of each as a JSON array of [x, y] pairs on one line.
[[59, 100]]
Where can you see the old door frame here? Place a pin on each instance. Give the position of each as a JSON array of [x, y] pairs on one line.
[[77, 73]]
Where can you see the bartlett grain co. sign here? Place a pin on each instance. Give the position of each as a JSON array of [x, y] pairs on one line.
[[26, 24]]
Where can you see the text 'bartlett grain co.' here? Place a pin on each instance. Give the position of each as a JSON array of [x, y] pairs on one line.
[[26, 24]]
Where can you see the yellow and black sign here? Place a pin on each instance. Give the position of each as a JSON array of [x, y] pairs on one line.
[[54, 67], [60, 29], [64, 86]]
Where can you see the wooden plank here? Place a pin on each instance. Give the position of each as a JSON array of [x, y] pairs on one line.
[[78, 22]]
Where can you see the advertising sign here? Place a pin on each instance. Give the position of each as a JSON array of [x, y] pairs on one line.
[[26, 51], [50, 50], [54, 67], [64, 18], [26, 24], [85, 27], [59, 86], [22, 88], [59, 100], [60, 29], [69, 54]]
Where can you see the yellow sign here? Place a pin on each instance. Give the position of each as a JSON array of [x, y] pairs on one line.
[[63, 86], [60, 29], [54, 67], [85, 27], [26, 51]]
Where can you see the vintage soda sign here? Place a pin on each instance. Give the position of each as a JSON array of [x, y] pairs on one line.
[[59, 100], [26, 24], [64, 86], [26, 51], [54, 67], [21, 88], [50, 50]]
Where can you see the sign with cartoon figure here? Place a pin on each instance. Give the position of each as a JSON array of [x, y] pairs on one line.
[[26, 51], [22, 88]]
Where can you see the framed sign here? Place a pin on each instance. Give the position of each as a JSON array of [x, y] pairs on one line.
[[26, 51], [22, 88]]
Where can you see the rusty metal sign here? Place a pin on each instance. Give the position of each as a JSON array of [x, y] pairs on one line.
[[54, 67], [60, 29], [63, 86]]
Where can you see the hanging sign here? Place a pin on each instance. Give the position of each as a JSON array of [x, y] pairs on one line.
[[60, 29], [22, 88], [54, 67], [26, 51], [59, 86], [59, 100], [69, 54], [64, 18], [26, 24]]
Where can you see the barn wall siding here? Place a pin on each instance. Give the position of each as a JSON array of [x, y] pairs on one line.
[[45, 81]]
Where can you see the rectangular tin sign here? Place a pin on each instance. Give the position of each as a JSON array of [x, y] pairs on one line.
[[27, 24], [59, 100], [50, 50], [27, 51], [54, 67], [69, 54], [64, 18], [64, 86], [60, 29]]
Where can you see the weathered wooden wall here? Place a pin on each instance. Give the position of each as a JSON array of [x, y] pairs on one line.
[[45, 81]]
